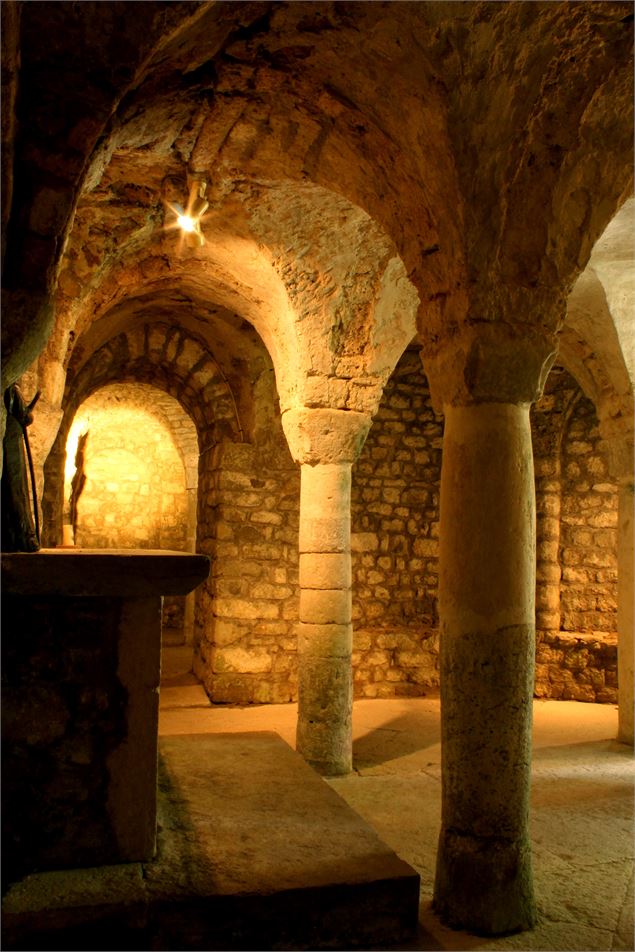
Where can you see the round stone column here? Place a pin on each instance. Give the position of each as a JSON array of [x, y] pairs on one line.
[[325, 443], [485, 383], [618, 433], [625, 613]]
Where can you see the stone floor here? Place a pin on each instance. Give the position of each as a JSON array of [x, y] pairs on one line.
[[582, 804]]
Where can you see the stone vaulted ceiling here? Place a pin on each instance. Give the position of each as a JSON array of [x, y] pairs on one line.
[[374, 170]]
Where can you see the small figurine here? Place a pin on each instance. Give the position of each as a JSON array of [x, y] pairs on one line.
[[20, 522], [78, 481]]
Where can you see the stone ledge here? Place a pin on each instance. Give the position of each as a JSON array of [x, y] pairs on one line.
[[255, 851], [568, 638], [126, 573]]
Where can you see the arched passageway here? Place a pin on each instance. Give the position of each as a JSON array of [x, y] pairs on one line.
[[134, 481]]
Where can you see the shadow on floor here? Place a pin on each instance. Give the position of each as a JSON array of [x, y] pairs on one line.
[[403, 735]]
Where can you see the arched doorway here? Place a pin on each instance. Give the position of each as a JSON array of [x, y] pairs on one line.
[[131, 480]]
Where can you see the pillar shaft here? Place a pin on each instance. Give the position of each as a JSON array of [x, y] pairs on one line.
[[485, 379], [325, 442], [486, 588], [325, 700], [618, 433], [625, 620]]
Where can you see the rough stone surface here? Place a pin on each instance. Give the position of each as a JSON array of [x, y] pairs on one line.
[[395, 507], [486, 590], [225, 875], [81, 665], [588, 542], [248, 523], [394, 542], [576, 598], [318, 436]]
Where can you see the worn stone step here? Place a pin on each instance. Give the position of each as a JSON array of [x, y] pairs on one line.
[[255, 851]]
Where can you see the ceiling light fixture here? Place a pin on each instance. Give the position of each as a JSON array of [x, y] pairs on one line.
[[189, 219]]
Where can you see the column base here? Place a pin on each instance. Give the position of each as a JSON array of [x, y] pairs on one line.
[[325, 706], [484, 884], [330, 768], [325, 746]]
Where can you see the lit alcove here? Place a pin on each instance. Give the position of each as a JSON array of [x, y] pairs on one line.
[[131, 480]]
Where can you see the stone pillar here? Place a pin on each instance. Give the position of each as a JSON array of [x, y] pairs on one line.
[[485, 383], [325, 443], [625, 601], [618, 433]]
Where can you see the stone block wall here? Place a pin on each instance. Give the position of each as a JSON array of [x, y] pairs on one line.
[[395, 500], [395, 541], [248, 516], [246, 616], [577, 669], [395, 662], [588, 538], [135, 494], [576, 597]]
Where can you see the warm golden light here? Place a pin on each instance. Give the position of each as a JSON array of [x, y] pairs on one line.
[[189, 219], [186, 223]]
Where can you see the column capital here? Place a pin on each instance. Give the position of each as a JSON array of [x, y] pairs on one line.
[[318, 435], [489, 362]]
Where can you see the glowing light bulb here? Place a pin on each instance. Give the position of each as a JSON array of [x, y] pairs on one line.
[[186, 223]]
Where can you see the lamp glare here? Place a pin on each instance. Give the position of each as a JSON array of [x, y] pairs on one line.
[[186, 223]]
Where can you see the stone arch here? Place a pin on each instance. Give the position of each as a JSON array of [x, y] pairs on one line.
[[71, 111], [183, 363], [597, 346], [156, 354], [301, 264]]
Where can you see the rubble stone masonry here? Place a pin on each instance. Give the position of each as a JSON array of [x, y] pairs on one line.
[[248, 519], [246, 614], [576, 596], [395, 541]]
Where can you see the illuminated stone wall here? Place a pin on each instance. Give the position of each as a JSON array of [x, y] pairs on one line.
[[248, 516], [141, 464], [135, 495], [394, 541], [395, 545], [246, 615], [576, 597], [588, 542]]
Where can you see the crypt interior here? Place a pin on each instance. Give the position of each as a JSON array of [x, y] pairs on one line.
[[335, 301]]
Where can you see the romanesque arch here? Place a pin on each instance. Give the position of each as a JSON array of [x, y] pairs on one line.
[[190, 374]]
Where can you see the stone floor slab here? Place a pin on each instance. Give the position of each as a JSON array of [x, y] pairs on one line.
[[255, 851]]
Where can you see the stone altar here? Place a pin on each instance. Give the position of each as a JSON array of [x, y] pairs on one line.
[[81, 666]]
